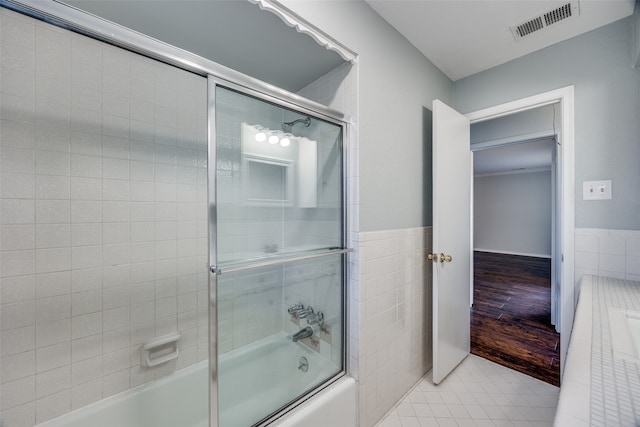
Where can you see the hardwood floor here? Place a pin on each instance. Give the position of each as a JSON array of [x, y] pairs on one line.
[[511, 315]]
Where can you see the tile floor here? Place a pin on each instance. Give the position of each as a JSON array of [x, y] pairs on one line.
[[477, 393]]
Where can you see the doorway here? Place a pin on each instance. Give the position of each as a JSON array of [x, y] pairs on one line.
[[511, 322], [562, 247], [450, 130]]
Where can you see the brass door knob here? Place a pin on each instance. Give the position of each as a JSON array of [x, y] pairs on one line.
[[445, 258], [432, 257]]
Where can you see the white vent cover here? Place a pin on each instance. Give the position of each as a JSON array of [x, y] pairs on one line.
[[537, 23]]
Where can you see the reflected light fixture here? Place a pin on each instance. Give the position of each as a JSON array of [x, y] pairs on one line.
[[261, 136], [273, 139], [285, 142]]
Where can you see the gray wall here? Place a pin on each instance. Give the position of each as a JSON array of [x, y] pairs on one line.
[[396, 83], [636, 36], [520, 124], [512, 213], [607, 108]]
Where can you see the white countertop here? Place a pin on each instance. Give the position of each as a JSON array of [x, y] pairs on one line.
[[601, 381]]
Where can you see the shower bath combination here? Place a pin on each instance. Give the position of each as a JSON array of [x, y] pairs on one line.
[[140, 206], [305, 224]]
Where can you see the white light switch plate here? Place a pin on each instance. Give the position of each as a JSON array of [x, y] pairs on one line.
[[596, 190]]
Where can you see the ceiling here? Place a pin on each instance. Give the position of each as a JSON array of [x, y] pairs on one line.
[[464, 37], [461, 37], [234, 33]]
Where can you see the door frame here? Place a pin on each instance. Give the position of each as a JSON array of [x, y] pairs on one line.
[[565, 188]]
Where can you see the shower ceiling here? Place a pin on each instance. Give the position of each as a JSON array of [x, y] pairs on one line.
[[234, 33]]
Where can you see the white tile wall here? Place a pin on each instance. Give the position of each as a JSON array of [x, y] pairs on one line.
[[394, 318], [389, 283], [336, 89], [102, 218], [611, 253]]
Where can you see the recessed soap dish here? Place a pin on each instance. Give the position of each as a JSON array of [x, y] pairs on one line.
[[159, 350]]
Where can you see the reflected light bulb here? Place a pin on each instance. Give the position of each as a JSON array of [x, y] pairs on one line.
[[273, 139], [261, 136], [285, 142]]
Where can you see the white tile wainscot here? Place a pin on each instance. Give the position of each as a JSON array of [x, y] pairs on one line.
[[395, 317], [611, 253], [601, 383]]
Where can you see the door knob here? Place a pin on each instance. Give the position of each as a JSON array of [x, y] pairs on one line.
[[445, 258], [432, 257]]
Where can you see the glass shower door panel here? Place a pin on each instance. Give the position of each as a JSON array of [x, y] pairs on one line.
[[279, 180], [265, 362]]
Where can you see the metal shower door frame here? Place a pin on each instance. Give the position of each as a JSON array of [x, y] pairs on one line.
[[215, 269]]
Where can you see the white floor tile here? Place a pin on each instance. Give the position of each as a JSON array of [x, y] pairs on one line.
[[447, 422], [422, 410], [427, 422], [405, 409], [478, 393], [469, 399], [440, 410], [409, 422], [458, 411]]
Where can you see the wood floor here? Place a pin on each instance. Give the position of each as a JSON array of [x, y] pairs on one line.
[[511, 315]]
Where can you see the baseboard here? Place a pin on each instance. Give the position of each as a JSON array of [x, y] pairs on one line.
[[493, 251]]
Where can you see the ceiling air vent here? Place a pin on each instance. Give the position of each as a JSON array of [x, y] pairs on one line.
[[556, 15], [529, 27], [537, 23]]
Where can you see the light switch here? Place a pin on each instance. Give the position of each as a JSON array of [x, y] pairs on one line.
[[596, 190]]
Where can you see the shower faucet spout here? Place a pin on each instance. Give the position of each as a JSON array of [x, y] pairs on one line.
[[302, 333]]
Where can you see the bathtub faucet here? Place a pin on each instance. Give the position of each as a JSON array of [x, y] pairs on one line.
[[295, 308], [300, 311], [302, 333], [316, 319], [303, 314]]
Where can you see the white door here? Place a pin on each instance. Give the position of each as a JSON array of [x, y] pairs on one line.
[[451, 239]]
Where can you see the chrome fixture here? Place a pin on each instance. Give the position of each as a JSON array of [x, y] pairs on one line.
[[299, 311], [303, 333], [316, 319], [286, 126], [295, 308], [305, 313], [303, 364]]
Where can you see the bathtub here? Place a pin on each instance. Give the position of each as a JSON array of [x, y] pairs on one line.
[[181, 399]]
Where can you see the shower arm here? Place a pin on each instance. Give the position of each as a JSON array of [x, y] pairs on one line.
[[286, 126]]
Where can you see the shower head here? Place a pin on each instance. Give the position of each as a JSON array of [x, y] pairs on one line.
[[286, 126]]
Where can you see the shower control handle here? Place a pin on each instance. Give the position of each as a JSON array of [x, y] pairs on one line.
[[295, 308]]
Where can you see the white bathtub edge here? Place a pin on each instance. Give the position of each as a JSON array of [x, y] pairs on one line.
[[335, 406]]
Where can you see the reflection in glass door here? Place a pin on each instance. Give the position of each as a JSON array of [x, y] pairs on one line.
[[277, 244]]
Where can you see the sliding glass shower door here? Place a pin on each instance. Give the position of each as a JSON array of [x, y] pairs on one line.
[[277, 252]]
